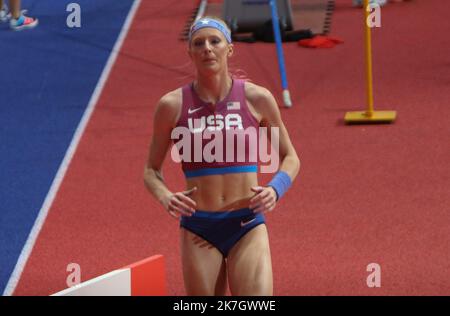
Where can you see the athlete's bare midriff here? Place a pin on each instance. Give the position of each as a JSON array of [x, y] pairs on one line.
[[225, 192]]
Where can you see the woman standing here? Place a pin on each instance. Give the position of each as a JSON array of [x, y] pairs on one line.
[[223, 235]]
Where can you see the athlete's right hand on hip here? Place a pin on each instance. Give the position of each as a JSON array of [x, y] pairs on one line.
[[180, 203]]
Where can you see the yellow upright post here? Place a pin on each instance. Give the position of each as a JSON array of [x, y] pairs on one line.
[[368, 47], [370, 115]]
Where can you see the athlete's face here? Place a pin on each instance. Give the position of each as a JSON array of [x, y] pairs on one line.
[[209, 50]]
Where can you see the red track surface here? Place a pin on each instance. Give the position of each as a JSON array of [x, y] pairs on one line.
[[365, 194]]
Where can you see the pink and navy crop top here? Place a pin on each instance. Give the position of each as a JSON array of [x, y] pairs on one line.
[[216, 140]]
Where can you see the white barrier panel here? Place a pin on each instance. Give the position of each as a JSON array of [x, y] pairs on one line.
[[145, 277], [115, 283]]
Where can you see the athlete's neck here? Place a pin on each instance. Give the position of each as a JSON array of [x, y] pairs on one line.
[[214, 88]]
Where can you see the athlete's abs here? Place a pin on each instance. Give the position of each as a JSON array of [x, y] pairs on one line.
[[225, 192]]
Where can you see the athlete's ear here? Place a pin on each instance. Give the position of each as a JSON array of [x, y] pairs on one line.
[[230, 50]]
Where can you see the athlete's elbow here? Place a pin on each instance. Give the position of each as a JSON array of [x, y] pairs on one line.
[[296, 163], [148, 172]]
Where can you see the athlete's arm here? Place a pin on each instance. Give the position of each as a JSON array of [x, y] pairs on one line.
[[265, 104], [164, 120]]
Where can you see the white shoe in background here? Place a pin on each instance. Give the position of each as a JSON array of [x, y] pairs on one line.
[[4, 13]]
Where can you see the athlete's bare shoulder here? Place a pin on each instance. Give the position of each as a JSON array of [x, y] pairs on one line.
[[171, 99], [260, 98], [254, 92], [169, 106]]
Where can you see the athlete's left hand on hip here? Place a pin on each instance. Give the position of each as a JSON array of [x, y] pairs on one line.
[[264, 200]]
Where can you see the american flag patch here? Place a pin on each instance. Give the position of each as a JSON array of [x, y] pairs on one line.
[[233, 105]]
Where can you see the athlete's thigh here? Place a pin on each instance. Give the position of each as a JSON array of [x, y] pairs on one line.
[[204, 269], [249, 264]]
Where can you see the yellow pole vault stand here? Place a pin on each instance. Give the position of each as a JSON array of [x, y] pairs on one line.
[[369, 116]]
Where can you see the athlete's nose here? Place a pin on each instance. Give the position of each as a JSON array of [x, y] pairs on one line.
[[207, 46]]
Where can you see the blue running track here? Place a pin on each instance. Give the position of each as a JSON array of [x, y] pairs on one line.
[[47, 76]]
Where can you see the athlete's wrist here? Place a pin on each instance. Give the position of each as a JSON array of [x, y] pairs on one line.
[[280, 183], [164, 199]]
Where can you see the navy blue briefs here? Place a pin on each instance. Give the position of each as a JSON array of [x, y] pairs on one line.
[[222, 229]]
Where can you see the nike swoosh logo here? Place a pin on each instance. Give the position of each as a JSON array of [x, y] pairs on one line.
[[247, 222], [190, 111]]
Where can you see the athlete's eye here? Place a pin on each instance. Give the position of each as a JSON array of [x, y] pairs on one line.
[[198, 43], [215, 41]]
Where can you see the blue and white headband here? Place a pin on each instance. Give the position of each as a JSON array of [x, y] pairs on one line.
[[207, 22]]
